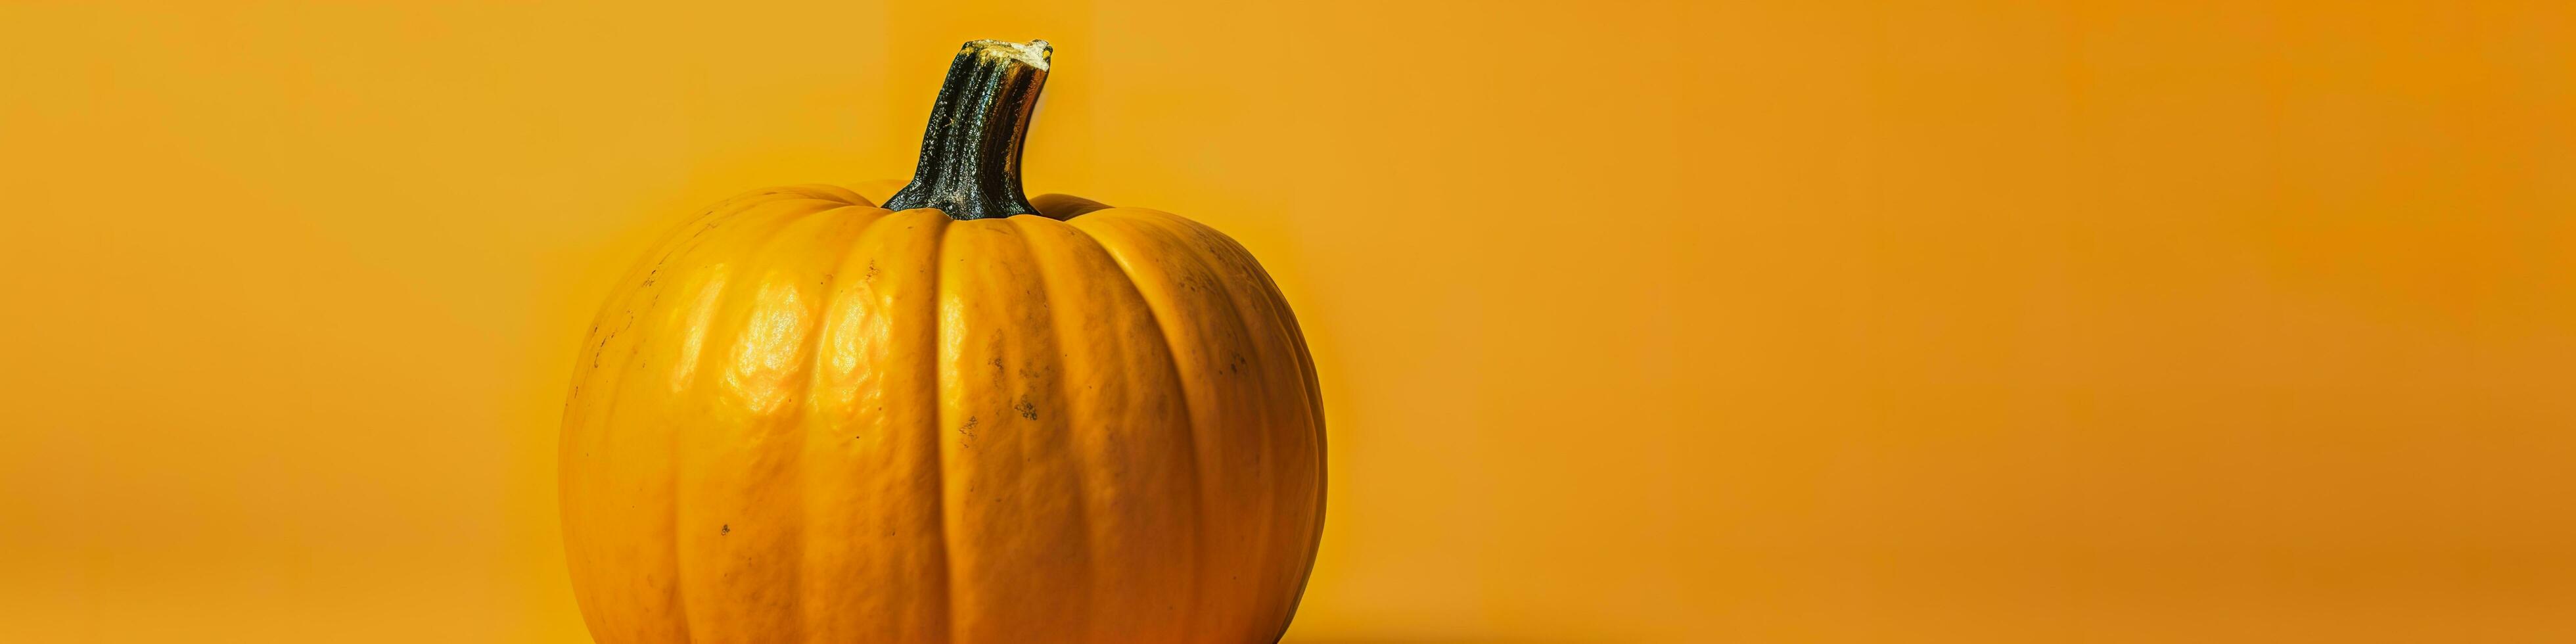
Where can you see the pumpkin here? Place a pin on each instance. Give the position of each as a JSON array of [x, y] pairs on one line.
[[948, 413]]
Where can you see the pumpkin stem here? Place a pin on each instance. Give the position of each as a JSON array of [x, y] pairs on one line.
[[970, 155]]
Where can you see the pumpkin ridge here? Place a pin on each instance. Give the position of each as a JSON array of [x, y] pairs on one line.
[[1199, 266], [1191, 269], [1188, 445], [1072, 405], [1046, 296], [678, 470], [876, 486], [939, 470], [675, 246], [680, 578], [1063, 404], [812, 421], [835, 246], [1287, 319], [765, 227], [800, 243], [1279, 314], [1172, 354], [792, 454]]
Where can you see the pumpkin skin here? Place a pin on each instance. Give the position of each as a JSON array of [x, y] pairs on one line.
[[805, 418]]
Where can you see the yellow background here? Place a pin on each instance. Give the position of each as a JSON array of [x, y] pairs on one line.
[[1710, 321]]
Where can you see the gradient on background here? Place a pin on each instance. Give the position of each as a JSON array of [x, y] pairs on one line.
[[1681, 322]]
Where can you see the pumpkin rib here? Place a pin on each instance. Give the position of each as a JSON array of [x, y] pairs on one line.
[[841, 246], [874, 405], [1179, 276], [709, 376], [679, 584], [1189, 449], [1269, 297], [1216, 250], [1017, 508], [1236, 322], [1054, 321], [1136, 441], [834, 242], [1172, 351], [1323, 474], [790, 456], [685, 625], [1249, 310], [939, 466], [709, 302], [817, 240], [676, 246]]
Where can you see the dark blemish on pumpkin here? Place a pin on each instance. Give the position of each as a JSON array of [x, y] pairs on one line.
[[967, 431], [997, 363], [728, 529], [872, 271], [1027, 409]]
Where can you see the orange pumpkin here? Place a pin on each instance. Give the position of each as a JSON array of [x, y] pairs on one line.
[[961, 415]]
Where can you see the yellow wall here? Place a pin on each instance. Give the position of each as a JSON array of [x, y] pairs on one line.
[[1703, 321]]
